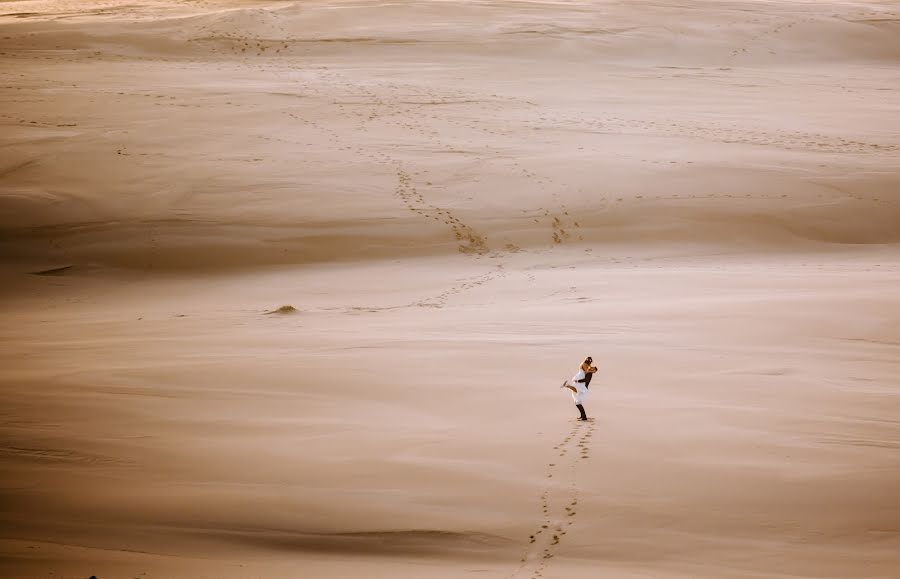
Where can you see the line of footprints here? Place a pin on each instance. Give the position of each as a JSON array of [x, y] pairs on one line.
[[470, 241], [440, 300], [559, 502]]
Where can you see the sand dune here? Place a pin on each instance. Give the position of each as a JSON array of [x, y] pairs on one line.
[[663, 178], [459, 200]]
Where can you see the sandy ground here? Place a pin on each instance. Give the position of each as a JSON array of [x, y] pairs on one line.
[[460, 200]]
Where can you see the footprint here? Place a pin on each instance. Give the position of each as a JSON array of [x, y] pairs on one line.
[[557, 504]]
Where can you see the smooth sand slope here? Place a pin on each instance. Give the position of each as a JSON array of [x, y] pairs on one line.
[[460, 200]]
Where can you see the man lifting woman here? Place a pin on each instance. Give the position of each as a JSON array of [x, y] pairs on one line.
[[580, 383]]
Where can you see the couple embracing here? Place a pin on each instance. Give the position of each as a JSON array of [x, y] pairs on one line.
[[580, 383]]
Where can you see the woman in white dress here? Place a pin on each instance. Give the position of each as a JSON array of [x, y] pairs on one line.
[[579, 384]]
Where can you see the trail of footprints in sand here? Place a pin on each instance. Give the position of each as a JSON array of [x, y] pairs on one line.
[[766, 34], [411, 108], [227, 34], [558, 218], [470, 241], [794, 140], [561, 224], [440, 300], [558, 502], [755, 42]]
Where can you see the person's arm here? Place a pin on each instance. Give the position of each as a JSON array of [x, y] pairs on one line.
[[591, 370], [572, 388]]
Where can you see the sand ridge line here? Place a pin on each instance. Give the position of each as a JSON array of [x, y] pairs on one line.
[[558, 502], [50, 456]]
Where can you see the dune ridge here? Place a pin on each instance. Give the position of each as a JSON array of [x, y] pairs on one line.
[[383, 126]]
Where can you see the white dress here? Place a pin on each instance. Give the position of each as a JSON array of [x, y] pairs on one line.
[[581, 390]]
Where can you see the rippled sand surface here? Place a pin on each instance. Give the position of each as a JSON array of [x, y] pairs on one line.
[[458, 201]]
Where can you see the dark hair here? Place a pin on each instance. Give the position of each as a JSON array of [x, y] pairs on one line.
[[589, 359]]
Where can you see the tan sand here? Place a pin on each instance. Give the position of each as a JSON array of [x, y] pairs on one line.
[[459, 201]]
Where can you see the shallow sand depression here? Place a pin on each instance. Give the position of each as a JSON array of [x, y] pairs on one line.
[[290, 288]]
